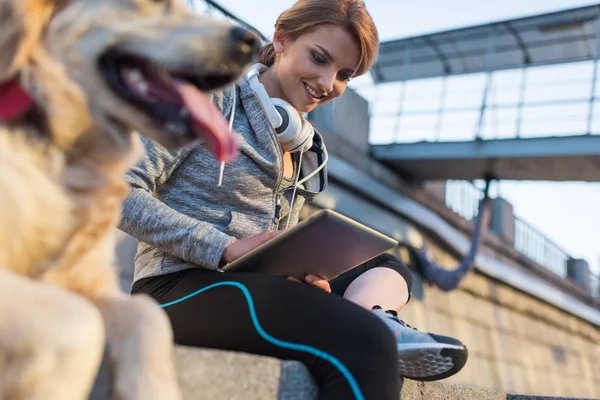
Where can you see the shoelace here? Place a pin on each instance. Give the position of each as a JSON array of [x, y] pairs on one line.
[[394, 315]]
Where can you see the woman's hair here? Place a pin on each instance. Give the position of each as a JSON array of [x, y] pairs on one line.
[[351, 15]]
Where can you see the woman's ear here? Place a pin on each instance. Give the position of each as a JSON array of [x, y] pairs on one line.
[[278, 41]]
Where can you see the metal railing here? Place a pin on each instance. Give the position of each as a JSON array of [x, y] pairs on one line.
[[462, 197], [595, 285], [210, 6], [533, 102], [536, 246]]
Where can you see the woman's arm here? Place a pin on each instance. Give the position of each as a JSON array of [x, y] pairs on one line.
[[151, 221]]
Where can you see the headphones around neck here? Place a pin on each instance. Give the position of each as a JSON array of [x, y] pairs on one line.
[[295, 133]]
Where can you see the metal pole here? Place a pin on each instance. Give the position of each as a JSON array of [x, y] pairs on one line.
[[400, 109], [374, 100], [440, 113], [491, 49], [406, 64], [594, 77], [494, 112], [228, 14], [370, 111], [521, 100]]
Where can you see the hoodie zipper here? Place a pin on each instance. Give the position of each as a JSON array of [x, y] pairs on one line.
[[279, 155], [277, 209]]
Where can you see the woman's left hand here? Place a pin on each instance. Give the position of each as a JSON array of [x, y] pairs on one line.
[[315, 281]]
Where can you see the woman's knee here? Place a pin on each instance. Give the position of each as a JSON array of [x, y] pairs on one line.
[[368, 340], [389, 261]]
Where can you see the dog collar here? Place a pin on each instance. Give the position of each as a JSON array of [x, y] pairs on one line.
[[14, 101]]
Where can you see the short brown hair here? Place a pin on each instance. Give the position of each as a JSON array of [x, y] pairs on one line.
[[351, 15]]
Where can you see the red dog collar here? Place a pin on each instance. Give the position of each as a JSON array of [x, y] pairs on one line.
[[14, 101]]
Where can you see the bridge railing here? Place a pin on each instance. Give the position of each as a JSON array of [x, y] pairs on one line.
[[536, 246], [463, 197], [595, 285], [528, 102]]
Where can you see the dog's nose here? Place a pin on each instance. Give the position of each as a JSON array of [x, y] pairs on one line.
[[244, 40]]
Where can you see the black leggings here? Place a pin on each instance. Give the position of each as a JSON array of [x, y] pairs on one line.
[[349, 351]]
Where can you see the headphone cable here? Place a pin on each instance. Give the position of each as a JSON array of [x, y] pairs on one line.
[[222, 167]]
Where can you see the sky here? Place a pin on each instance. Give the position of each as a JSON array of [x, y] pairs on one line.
[[568, 213]]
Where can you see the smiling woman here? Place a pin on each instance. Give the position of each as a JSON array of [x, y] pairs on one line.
[[313, 69], [189, 227], [319, 46]]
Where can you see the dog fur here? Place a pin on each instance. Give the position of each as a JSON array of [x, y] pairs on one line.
[[62, 186]]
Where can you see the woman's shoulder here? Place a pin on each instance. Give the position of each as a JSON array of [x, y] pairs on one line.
[[223, 98]]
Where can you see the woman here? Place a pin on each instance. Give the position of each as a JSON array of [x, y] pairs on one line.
[[188, 226]]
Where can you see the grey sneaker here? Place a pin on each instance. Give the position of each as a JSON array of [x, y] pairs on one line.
[[424, 356]]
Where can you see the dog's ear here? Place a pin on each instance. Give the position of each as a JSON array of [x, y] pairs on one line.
[[12, 32], [21, 25]]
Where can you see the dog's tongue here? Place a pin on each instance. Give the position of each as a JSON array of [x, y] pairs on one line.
[[209, 123]]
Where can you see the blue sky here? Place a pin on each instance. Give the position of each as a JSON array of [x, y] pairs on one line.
[[569, 213]]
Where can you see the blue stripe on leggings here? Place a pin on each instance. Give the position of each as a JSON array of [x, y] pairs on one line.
[[280, 343]]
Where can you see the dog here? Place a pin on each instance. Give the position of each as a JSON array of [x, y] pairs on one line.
[[78, 78]]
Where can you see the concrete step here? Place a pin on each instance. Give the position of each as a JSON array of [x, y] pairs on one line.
[[213, 375]]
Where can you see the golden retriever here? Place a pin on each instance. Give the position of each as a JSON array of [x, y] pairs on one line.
[[77, 77]]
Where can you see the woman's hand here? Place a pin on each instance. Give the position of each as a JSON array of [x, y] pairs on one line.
[[238, 248], [315, 281]]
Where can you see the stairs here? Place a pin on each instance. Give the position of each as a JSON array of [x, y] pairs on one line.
[[214, 375]]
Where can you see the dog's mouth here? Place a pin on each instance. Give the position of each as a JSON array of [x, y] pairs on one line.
[[175, 101]]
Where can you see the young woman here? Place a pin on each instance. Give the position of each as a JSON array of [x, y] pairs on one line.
[[188, 226]]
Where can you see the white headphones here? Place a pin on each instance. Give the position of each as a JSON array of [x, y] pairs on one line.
[[295, 133]]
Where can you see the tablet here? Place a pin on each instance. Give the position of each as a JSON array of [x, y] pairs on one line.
[[327, 244]]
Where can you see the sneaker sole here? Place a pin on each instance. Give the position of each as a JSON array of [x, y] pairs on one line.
[[430, 361]]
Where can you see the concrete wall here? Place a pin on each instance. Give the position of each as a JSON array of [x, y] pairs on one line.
[[517, 344]]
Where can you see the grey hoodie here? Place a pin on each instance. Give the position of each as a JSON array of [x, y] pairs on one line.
[[182, 219]]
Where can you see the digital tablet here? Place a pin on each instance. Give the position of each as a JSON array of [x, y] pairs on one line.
[[326, 245]]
